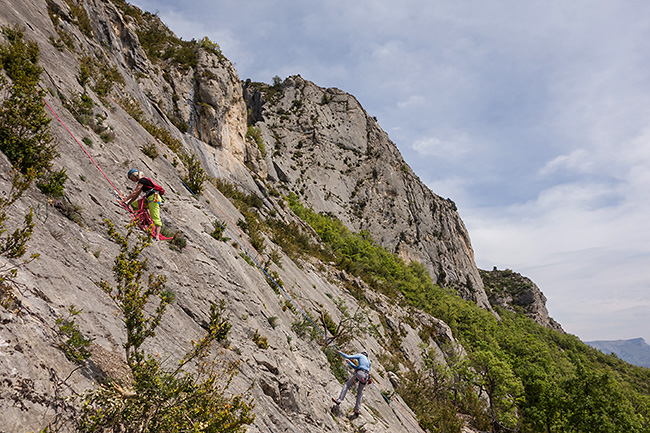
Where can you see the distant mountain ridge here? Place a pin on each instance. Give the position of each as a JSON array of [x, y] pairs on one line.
[[635, 351]]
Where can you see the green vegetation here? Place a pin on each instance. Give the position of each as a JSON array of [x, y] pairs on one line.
[[81, 106], [103, 75], [254, 228], [14, 245], [196, 176], [161, 44], [53, 183], [254, 135], [261, 342], [25, 136], [336, 364], [75, 344], [248, 205], [80, 17], [218, 229], [194, 395], [150, 149], [26, 141], [177, 240], [357, 254], [528, 378]]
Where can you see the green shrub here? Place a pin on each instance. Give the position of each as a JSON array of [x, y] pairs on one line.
[[252, 226], [193, 394], [254, 135], [75, 345], [177, 240], [104, 75], [150, 149], [53, 183], [336, 365], [80, 105], [68, 210], [14, 245], [260, 341], [240, 199], [196, 176], [25, 136], [211, 47], [219, 228], [80, 17]]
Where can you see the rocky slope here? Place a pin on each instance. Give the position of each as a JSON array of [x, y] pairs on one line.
[[317, 143], [322, 144]]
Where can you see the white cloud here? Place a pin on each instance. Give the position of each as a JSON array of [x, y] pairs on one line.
[[452, 150], [577, 160]]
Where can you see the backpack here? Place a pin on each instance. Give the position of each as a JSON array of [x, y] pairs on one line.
[[157, 188]]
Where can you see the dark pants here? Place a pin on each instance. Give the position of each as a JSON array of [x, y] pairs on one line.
[[361, 376]]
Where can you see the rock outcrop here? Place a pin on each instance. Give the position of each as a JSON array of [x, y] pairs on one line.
[[322, 144], [518, 294], [200, 107]]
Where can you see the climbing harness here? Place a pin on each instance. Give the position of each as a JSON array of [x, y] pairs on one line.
[[141, 216]]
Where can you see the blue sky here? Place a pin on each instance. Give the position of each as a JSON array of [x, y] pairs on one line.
[[534, 117]]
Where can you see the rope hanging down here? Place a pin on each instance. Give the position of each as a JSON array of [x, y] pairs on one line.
[[269, 277], [136, 216], [81, 145], [173, 170]]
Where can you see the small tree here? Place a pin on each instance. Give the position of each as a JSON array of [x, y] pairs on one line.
[[196, 176], [14, 245], [192, 397], [24, 125], [495, 378]]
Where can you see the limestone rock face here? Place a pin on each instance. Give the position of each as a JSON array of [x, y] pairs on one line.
[[202, 107], [322, 144], [292, 137]]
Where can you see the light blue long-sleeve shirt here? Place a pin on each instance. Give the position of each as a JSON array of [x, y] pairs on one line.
[[362, 360]]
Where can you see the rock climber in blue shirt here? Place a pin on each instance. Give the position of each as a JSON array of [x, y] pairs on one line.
[[361, 374]]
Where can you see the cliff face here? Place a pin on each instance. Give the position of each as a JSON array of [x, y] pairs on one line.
[[318, 143], [322, 144]]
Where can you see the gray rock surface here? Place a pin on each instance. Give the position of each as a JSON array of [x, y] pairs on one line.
[[322, 144], [318, 143], [291, 380]]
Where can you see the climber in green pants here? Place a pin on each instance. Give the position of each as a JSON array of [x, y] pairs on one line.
[[152, 194]]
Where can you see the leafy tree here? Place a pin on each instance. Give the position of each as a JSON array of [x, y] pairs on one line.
[[25, 140], [24, 125], [596, 404], [495, 378], [130, 296]]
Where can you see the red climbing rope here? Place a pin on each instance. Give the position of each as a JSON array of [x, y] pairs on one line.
[[141, 216], [82, 147]]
